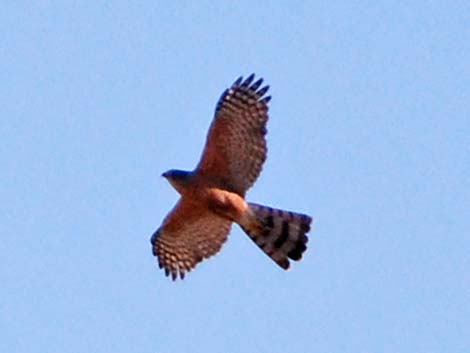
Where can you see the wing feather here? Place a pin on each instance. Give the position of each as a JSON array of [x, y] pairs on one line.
[[235, 148], [188, 234]]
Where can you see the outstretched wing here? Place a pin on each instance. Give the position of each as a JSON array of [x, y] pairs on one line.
[[236, 146], [188, 235]]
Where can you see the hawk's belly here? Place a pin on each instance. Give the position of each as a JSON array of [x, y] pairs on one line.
[[222, 202]]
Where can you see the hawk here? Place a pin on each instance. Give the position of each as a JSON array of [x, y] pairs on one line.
[[213, 194]]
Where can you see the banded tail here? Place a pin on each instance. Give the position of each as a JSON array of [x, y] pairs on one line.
[[280, 234]]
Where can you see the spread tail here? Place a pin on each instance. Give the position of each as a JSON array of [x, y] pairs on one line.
[[280, 234]]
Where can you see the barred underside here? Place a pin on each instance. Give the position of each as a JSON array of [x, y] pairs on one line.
[[236, 145], [188, 235], [280, 234], [173, 255]]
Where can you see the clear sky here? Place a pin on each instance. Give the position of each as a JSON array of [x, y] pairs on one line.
[[369, 132]]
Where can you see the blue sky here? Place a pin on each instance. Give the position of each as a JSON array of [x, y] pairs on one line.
[[369, 132]]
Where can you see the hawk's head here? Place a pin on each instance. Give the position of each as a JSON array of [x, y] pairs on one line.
[[177, 178]]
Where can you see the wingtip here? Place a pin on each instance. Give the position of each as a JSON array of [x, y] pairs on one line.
[[154, 236], [238, 81], [248, 80], [256, 85], [266, 99], [263, 91]]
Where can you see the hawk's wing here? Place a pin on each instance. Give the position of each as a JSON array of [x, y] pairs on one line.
[[188, 235], [236, 146]]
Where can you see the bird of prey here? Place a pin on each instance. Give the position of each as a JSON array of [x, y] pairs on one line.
[[213, 194]]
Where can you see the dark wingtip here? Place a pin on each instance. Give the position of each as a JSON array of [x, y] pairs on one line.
[[248, 81], [238, 81], [266, 99], [256, 85], [154, 236], [262, 91]]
